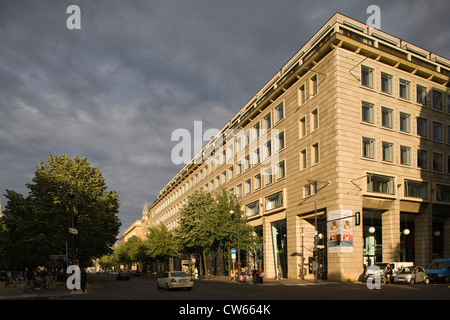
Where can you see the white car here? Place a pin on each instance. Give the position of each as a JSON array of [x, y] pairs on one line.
[[175, 279]]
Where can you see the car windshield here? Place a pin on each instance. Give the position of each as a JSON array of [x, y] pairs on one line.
[[406, 270], [178, 274], [437, 265]]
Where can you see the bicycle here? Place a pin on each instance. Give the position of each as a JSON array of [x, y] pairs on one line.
[[8, 282]]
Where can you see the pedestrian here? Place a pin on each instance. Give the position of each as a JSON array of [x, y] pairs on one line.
[[196, 273], [280, 273], [255, 276], [260, 274], [83, 279]]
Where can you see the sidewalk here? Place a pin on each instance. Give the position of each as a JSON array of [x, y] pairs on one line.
[[272, 282], [16, 293]]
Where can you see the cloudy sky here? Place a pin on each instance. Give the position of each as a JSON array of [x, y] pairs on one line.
[[115, 90]]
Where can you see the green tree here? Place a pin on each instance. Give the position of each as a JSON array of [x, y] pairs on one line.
[[61, 187], [160, 243]]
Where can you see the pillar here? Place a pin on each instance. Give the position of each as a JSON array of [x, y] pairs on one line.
[[423, 234]]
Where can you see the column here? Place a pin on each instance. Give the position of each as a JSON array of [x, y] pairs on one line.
[[390, 220], [424, 237]]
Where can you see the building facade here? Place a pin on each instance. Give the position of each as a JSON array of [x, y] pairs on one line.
[[356, 121]]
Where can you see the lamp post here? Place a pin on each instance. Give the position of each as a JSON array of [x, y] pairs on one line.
[[71, 196], [238, 219]]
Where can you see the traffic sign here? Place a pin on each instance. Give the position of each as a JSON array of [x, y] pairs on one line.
[[73, 231], [309, 234], [233, 250]]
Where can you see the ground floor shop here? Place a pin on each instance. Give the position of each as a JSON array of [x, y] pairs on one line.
[[388, 230]]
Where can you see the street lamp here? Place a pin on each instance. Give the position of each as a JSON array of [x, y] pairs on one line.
[[238, 220]]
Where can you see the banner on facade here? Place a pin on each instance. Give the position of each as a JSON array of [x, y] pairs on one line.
[[340, 231]]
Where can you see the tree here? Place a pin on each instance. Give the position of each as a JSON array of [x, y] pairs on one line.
[[160, 244], [47, 211]]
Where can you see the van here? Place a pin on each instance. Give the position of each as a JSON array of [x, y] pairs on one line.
[[439, 269]]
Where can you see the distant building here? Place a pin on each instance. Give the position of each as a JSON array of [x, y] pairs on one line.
[[356, 121]]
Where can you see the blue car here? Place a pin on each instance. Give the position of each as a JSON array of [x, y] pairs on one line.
[[439, 269]]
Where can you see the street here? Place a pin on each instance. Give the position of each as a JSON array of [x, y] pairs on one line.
[[106, 287]]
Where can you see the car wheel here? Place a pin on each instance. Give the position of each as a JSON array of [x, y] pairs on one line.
[[411, 282]]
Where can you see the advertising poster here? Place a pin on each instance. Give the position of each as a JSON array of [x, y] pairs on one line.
[[346, 223], [334, 237], [340, 231]]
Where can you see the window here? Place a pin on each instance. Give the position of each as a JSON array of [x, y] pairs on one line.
[[437, 131], [422, 127], [279, 112], [257, 181], [386, 83], [368, 148], [313, 83], [416, 189], [224, 177], [252, 209], [280, 170], [302, 95], [246, 138], [422, 159], [230, 150], [274, 201], [380, 184], [302, 127], [314, 120], [404, 89], [238, 145], [421, 95], [238, 167], [367, 112], [279, 142], [405, 156], [405, 122], [438, 100], [256, 156], [230, 173], [315, 152], [239, 190], [267, 122], [307, 190], [386, 118], [248, 186], [256, 131], [247, 162], [388, 151], [268, 149], [268, 176], [303, 159], [442, 193], [367, 76], [438, 162]]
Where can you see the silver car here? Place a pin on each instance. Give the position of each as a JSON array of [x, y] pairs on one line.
[[412, 275], [175, 279]]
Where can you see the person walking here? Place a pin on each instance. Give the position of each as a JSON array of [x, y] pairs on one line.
[[83, 279], [260, 274]]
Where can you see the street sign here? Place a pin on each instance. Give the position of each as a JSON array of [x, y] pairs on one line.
[[56, 256], [309, 234], [73, 230], [233, 256], [233, 250]]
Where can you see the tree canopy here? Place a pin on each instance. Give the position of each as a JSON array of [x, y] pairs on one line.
[[36, 226]]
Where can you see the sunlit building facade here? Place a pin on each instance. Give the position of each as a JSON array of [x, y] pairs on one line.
[[357, 121]]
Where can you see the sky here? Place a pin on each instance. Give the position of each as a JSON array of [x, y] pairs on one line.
[[114, 90]]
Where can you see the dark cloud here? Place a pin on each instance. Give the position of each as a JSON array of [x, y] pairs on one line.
[[116, 89]]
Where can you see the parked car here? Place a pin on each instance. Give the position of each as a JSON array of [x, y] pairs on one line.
[[123, 275], [394, 265], [439, 269], [412, 275], [175, 279]]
